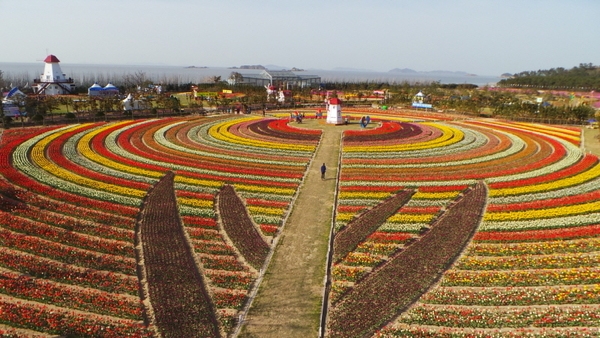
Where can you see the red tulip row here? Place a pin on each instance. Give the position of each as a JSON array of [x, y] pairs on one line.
[[83, 299], [383, 128], [240, 229], [267, 130], [71, 223], [538, 235], [404, 278], [65, 236], [587, 162], [181, 306], [66, 322], [489, 317], [233, 173], [396, 132], [30, 199], [41, 267], [283, 126], [66, 253], [16, 177], [55, 154], [360, 228], [546, 203], [141, 142]]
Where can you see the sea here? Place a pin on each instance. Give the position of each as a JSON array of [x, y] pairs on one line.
[[22, 74]]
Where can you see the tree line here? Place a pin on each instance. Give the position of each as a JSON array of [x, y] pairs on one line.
[[586, 76]]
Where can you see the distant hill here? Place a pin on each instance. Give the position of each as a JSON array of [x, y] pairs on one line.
[[403, 71]]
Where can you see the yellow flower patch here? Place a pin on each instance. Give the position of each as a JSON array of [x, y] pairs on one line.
[[549, 186], [364, 195], [443, 195], [265, 210], [221, 132], [411, 218], [449, 136], [576, 209]]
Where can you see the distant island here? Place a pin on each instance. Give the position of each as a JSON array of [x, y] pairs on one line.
[[249, 67], [194, 67], [261, 67], [433, 72]]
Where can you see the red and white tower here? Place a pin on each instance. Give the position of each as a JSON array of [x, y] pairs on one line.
[[53, 81], [334, 111]]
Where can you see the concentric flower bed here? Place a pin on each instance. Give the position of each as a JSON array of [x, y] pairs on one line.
[[531, 269], [70, 197]]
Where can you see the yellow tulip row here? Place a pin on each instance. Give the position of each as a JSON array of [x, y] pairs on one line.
[[411, 218], [576, 209], [554, 185], [264, 189], [195, 202], [265, 210], [450, 135], [364, 195], [39, 158], [221, 132], [571, 135], [83, 147], [443, 195]]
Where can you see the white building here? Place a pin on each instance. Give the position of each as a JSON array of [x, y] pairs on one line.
[[334, 111], [53, 81]]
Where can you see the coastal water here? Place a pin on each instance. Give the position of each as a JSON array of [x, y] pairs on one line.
[[21, 74]]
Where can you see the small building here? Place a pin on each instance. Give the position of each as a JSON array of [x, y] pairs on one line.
[[334, 111], [419, 101], [53, 81]]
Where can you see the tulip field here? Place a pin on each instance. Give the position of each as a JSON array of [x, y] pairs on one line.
[[442, 228]]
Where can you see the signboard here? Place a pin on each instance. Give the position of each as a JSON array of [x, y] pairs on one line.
[[422, 105]]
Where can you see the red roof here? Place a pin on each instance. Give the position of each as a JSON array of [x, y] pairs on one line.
[[335, 100], [51, 58]]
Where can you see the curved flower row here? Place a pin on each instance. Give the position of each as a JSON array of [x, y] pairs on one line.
[[537, 245]]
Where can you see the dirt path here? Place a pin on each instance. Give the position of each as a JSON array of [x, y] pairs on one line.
[[288, 303]]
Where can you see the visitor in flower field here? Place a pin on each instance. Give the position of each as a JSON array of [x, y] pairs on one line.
[[323, 170]]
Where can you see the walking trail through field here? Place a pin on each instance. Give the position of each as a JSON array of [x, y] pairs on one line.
[[288, 303]]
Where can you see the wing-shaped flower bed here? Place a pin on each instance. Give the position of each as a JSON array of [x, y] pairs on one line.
[[240, 229], [180, 305], [347, 239], [393, 286]]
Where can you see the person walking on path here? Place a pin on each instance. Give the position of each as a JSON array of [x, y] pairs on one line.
[[323, 170]]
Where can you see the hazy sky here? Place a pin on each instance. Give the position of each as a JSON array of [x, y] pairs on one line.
[[484, 37]]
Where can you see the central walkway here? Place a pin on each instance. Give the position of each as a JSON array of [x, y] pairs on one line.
[[289, 300]]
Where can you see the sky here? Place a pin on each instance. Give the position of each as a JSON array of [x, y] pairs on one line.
[[483, 37]]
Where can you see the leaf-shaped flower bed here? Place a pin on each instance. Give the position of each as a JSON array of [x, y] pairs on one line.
[[181, 306], [240, 229], [360, 228], [396, 284]]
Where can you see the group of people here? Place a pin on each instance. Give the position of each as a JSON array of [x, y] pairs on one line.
[[296, 116]]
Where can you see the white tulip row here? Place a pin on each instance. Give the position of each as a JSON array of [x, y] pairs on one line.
[[111, 145], [21, 161], [583, 188], [543, 223], [471, 140]]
